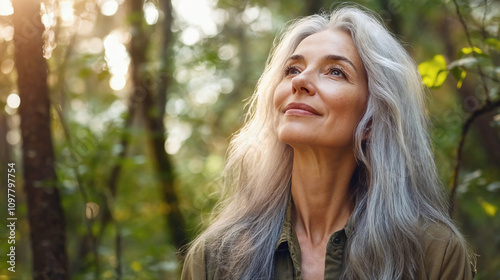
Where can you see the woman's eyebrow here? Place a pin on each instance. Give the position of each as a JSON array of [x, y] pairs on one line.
[[295, 57], [333, 57], [328, 57]]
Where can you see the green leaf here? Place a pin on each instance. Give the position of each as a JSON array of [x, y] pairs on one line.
[[474, 52], [103, 75], [460, 80], [459, 75], [469, 50], [434, 71], [84, 73], [488, 208], [493, 42]]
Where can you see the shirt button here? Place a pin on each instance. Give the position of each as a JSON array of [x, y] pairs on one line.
[[336, 241]]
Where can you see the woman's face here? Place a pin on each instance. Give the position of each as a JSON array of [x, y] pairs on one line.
[[323, 94]]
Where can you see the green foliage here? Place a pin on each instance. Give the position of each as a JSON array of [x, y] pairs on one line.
[[434, 71], [493, 42], [474, 67]]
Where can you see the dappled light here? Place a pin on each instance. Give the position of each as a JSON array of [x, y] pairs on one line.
[[142, 98], [190, 36], [108, 7], [6, 8], [117, 58], [7, 66], [7, 33], [13, 100], [151, 13], [66, 12], [198, 14]]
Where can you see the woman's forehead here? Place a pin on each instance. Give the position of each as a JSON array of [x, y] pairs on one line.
[[329, 43]]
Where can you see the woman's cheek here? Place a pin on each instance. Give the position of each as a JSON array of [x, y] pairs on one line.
[[279, 96]]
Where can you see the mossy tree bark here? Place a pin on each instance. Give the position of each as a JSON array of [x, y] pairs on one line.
[[45, 214]]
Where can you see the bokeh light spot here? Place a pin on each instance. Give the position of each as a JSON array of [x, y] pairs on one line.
[[13, 137], [226, 85], [7, 66], [117, 82], [13, 101], [6, 32], [116, 54], [190, 36], [109, 7], [6, 8], [150, 13], [196, 165], [250, 14], [67, 12], [172, 147], [91, 210], [227, 52]]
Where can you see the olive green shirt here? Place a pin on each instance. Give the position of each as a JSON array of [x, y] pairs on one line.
[[445, 257]]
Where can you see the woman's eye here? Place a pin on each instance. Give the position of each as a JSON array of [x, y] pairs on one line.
[[336, 72], [291, 70]]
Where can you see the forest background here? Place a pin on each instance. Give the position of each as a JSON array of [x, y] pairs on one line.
[[115, 116]]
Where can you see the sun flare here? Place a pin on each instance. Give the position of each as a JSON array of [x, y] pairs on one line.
[[6, 8]]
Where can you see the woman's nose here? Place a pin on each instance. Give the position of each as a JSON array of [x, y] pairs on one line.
[[303, 84]]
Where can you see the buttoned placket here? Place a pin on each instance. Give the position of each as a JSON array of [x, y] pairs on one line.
[[288, 255], [334, 259]]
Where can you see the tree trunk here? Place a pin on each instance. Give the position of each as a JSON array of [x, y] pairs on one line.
[[45, 214], [153, 115], [134, 105], [166, 55], [5, 153]]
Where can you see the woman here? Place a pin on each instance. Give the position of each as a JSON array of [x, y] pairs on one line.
[[332, 175]]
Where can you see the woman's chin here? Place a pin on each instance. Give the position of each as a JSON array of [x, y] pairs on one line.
[[296, 139]]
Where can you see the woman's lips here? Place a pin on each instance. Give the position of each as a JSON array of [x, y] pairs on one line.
[[303, 109]]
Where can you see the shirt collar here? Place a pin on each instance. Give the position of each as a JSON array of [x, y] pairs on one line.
[[288, 234], [287, 229]]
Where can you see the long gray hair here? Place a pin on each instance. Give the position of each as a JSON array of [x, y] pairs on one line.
[[398, 191]]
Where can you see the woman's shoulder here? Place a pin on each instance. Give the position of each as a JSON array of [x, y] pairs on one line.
[[446, 253]]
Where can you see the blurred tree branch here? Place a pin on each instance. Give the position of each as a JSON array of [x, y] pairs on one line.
[[483, 109], [89, 236], [60, 89], [166, 56], [488, 107], [471, 45], [152, 115]]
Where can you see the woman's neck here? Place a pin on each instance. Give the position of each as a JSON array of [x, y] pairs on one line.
[[320, 191]]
